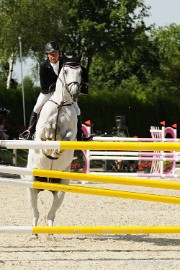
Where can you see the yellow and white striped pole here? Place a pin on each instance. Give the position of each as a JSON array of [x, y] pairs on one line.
[[91, 145], [107, 192], [91, 229], [96, 191], [131, 181]]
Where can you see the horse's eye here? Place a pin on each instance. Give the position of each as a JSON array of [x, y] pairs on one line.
[[65, 72]]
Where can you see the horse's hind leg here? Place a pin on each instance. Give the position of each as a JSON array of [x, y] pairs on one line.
[[33, 198], [57, 201]]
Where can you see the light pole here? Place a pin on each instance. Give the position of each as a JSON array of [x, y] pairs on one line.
[[22, 81]]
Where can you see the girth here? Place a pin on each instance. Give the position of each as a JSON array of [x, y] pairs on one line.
[[48, 180]]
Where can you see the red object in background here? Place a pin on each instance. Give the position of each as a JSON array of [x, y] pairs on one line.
[[163, 123], [144, 164], [88, 122], [174, 125]]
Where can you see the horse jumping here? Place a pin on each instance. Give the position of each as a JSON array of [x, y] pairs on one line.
[[57, 122]]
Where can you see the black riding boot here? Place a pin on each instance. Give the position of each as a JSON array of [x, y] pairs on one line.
[[28, 134], [79, 129]]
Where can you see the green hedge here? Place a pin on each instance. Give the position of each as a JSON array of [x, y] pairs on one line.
[[101, 108], [12, 99]]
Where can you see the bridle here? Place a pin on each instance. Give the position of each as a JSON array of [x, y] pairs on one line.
[[66, 85]]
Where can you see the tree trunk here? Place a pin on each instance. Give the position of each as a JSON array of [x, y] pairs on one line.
[[11, 64]]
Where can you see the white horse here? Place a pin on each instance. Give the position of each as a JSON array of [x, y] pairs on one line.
[[57, 121]]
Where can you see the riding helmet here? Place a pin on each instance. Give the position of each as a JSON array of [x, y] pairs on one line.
[[51, 47]]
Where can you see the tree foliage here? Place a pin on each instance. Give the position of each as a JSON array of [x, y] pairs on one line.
[[119, 51], [97, 27], [167, 40], [33, 21], [87, 26]]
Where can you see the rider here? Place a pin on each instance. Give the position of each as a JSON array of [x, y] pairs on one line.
[[49, 71]]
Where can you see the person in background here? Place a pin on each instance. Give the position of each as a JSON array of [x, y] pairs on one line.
[[49, 71], [3, 113]]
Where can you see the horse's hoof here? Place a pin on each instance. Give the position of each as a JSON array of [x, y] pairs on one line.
[[51, 237], [34, 237], [50, 222]]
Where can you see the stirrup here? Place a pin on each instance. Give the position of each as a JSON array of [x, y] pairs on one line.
[[26, 135]]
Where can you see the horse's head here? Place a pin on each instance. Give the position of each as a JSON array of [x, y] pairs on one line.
[[71, 75]]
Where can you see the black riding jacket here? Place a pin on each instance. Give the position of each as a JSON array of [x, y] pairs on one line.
[[48, 77]]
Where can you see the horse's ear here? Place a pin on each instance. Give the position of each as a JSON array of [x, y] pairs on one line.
[[79, 58], [75, 59], [65, 58]]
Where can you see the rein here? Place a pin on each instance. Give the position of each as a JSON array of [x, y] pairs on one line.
[[59, 106]]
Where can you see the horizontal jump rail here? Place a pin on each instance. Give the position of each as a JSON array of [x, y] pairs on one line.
[[132, 153], [91, 177], [96, 191], [92, 145], [91, 229], [139, 175], [128, 139], [133, 158]]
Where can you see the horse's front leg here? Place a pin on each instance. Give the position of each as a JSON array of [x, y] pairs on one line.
[[67, 137], [33, 198], [58, 198]]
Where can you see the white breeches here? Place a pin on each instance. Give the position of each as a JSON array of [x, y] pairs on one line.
[[45, 97], [41, 101]]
